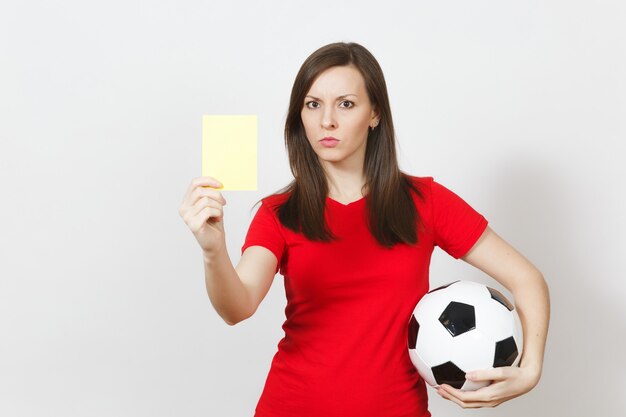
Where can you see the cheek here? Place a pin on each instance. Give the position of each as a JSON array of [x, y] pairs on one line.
[[307, 123], [359, 121], [360, 126]]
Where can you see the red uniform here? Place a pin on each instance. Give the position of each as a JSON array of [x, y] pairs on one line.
[[345, 353]]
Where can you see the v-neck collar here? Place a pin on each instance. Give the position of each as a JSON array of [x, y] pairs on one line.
[[351, 204]]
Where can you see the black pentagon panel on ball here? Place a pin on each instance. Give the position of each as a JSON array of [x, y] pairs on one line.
[[506, 352], [499, 297], [449, 373], [458, 318], [443, 286], [414, 328]]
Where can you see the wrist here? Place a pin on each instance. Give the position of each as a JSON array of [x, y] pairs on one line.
[[211, 256], [533, 371]]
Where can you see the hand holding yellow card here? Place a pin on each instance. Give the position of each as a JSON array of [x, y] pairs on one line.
[[229, 148]]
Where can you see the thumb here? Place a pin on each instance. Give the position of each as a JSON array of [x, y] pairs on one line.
[[492, 374]]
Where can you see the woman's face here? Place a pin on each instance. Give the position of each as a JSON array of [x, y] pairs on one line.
[[337, 106]]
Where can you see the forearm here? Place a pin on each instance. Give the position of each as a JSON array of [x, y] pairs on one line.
[[227, 293], [533, 306], [505, 264]]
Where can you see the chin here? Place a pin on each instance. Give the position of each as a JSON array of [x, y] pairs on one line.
[[337, 160]]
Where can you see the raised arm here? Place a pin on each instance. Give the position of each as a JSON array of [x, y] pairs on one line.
[[235, 292]]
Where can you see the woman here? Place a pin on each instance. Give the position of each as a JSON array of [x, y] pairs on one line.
[[353, 236]]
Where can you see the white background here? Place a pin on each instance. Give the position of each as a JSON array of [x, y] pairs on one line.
[[517, 106]]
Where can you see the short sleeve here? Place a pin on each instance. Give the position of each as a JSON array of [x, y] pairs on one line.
[[265, 231], [456, 225]]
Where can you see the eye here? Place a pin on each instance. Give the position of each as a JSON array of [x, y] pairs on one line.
[[347, 101], [312, 102]]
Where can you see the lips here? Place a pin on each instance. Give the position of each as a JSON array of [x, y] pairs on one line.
[[329, 141]]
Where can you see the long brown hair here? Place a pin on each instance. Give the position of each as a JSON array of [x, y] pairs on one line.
[[393, 217]]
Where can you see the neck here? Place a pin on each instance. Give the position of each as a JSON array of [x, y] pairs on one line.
[[346, 184]]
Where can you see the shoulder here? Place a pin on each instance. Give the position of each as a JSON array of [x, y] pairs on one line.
[[274, 201], [423, 185], [428, 185], [420, 181], [430, 193]]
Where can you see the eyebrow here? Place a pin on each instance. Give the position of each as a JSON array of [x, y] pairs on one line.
[[340, 97]]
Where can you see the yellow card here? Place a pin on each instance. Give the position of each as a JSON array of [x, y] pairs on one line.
[[229, 147]]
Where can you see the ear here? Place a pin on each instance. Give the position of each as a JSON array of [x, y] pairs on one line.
[[374, 117]]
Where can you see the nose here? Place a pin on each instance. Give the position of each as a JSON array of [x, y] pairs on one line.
[[328, 118]]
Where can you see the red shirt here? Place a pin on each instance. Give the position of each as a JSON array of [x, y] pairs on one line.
[[349, 301]]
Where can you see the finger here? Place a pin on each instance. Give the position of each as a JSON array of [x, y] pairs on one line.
[[466, 399], [482, 394], [189, 213], [203, 203], [494, 374], [205, 216], [199, 182], [448, 396], [207, 192], [206, 181]]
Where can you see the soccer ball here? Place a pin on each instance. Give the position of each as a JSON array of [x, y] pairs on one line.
[[461, 327]]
